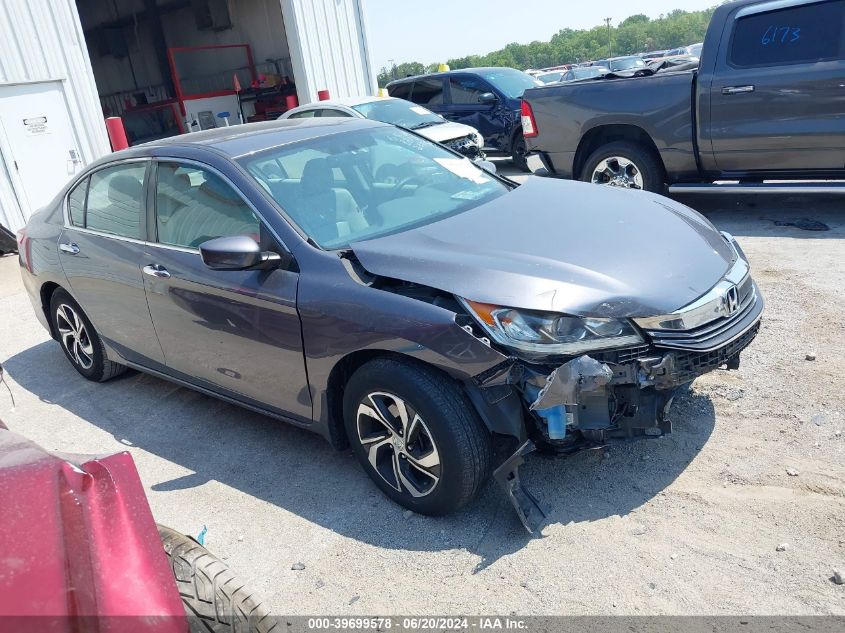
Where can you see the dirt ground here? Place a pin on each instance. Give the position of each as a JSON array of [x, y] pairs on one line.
[[686, 524]]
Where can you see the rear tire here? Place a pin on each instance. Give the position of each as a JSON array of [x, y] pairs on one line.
[[214, 598], [448, 453], [79, 340], [644, 162]]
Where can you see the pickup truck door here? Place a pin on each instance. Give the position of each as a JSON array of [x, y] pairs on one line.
[[777, 96]]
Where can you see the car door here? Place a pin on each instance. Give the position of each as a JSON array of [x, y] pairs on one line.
[[468, 106], [101, 248], [777, 96], [234, 332]]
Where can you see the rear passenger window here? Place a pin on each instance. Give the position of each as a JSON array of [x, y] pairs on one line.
[[194, 205], [76, 204], [305, 114], [331, 112], [114, 200], [428, 92], [402, 91], [806, 33], [467, 90]]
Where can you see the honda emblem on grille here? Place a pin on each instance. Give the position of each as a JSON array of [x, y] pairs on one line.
[[730, 300]]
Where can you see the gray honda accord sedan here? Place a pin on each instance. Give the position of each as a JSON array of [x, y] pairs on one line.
[[420, 319]]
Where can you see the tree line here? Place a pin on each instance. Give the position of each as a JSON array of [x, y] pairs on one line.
[[636, 34]]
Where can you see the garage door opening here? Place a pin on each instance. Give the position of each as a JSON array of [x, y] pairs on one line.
[[172, 66]]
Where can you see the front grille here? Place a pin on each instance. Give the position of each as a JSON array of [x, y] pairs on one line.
[[624, 355], [458, 143], [465, 145], [691, 364], [716, 333]]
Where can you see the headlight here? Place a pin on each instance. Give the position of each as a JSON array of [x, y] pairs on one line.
[[551, 332]]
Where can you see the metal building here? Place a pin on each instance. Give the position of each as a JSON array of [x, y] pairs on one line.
[[165, 67]]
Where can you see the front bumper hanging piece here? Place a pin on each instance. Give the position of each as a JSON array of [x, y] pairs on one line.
[[527, 507]]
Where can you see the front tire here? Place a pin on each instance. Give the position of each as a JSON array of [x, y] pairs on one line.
[[214, 598], [626, 165], [519, 153], [417, 435], [79, 340]]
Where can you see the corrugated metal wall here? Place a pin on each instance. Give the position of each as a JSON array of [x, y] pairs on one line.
[[42, 40], [328, 48]]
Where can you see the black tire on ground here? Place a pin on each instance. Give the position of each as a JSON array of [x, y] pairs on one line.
[[214, 598], [654, 177], [518, 153], [101, 369], [462, 441]]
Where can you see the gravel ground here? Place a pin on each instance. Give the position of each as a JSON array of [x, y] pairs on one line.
[[685, 524]]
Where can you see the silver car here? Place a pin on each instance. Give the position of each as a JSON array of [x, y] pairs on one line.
[[457, 136]]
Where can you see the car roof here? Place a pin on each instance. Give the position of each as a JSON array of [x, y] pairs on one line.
[[477, 71], [238, 140], [347, 101]]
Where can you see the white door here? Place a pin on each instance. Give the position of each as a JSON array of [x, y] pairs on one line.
[[38, 142]]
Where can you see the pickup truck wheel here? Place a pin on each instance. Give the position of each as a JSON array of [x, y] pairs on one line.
[[519, 153], [626, 165], [417, 435]]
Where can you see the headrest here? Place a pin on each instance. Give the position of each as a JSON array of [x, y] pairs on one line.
[[123, 187], [215, 188], [178, 181], [316, 177]]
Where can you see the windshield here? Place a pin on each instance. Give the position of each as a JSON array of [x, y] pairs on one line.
[[510, 81], [354, 186], [695, 50], [626, 63], [548, 78], [399, 112], [592, 71]]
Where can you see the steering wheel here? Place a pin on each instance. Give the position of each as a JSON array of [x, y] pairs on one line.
[[406, 181]]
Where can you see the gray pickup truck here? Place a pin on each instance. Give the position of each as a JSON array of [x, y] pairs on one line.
[[767, 103]]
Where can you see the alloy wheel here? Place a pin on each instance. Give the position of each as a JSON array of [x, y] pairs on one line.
[[618, 171], [398, 444], [74, 336]]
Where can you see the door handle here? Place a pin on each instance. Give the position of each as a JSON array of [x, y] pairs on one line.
[[155, 270], [735, 90], [71, 249]]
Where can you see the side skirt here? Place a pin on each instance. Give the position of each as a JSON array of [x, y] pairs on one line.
[[231, 399]]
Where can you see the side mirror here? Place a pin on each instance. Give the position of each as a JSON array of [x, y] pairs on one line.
[[487, 98], [486, 165], [237, 252]]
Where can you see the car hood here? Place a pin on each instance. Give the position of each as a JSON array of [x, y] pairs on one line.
[[446, 131], [562, 246]]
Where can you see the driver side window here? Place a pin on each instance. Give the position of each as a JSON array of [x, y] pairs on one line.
[[194, 205]]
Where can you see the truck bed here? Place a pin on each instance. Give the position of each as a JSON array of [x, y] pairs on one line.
[[572, 117]]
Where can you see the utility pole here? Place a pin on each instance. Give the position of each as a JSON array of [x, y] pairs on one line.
[[392, 63], [609, 37]]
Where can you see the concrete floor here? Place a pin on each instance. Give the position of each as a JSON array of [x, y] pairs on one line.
[[683, 525]]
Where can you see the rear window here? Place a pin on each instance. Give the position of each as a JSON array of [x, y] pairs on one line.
[[806, 33], [427, 92], [401, 91]]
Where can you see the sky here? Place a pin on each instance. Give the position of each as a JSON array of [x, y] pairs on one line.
[[432, 31]]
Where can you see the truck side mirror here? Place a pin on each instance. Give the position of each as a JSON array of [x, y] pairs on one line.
[[487, 98]]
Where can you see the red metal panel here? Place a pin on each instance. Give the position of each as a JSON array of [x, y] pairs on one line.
[[78, 541]]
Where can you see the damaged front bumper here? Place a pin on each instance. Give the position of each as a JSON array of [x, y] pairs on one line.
[[623, 394]]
